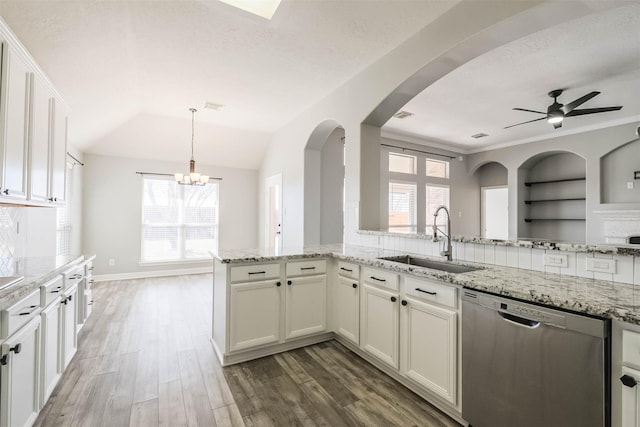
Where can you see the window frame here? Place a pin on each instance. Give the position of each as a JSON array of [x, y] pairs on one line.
[[412, 227], [181, 226]]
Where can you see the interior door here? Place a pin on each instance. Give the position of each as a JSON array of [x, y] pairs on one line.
[[495, 212], [273, 220]]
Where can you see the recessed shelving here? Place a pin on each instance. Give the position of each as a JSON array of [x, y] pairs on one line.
[[530, 183]]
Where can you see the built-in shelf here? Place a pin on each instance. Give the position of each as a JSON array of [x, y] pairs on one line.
[[528, 202], [530, 183], [553, 219]]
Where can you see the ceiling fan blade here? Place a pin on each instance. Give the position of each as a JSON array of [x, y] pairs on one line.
[[567, 108], [530, 121], [557, 125], [592, 111], [530, 111]]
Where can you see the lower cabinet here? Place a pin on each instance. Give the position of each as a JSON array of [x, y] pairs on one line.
[[429, 347], [51, 366], [346, 309], [20, 376], [630, 397], [305, 306], [69, 321], [379, 322], [254, 314]]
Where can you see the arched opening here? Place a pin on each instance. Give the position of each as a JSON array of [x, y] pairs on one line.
[[494, 200], [620, 174], [552, 197], [324, 184]]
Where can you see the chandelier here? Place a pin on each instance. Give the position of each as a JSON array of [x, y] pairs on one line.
[[192, 178]]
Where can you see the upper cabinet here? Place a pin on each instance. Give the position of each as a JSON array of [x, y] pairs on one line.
[[33, 129], [14, 123]]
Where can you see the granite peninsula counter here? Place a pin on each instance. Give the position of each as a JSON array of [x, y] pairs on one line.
[[36, 271], [588, 296]]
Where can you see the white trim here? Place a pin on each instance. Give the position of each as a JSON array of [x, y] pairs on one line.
[[154, 273]]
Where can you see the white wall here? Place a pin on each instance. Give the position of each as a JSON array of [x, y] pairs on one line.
[[331, 187], [112, 210]]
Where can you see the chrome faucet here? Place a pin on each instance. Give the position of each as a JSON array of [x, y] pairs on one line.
[[447, 253]]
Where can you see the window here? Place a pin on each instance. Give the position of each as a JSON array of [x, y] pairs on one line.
[[179, 222], [402, 163], [437, 168], [416, 186], [402, 207], [437, 195]]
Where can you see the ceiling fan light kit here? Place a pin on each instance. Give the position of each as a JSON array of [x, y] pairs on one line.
[[557, 112]]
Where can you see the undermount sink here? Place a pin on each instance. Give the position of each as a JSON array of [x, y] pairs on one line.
[[427, 263]]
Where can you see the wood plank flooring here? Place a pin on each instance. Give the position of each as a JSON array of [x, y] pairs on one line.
[[145, 359]]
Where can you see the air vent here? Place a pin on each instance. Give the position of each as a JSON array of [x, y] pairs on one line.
[[479, 135], [402, 114], [213, 106]]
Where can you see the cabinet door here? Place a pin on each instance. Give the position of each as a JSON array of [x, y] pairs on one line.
[[306, 306], [50, 363], [58, 148], [379, 323], [429, 343], [39, 141], [254, 314], [69, 331], [630, 400], [20, 376], [14, 105], [347, 309]]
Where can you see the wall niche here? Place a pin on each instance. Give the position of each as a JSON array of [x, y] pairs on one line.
[[617, 169], [552, 197]]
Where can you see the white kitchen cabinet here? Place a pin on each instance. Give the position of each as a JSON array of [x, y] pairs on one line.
[[379, 323], [58, 150], [39, 141], [14, 122], [428, 336], [630, 397], [51, 366], [254, 314], [305, 306], [346, 304], [69, 339], [20, 376]]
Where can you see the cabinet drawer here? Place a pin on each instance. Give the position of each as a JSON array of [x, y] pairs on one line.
[[347, 269], [51, 291], [382, 278], [430, 291], [631, 348], [306, 268], [17, 315], [73, 275], [250, 273]]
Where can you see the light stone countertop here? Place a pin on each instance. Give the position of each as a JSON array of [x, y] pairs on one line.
[[36, 271], [587, 296]]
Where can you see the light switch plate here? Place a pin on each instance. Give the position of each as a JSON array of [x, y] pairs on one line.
[[601, 265], [556, 260]]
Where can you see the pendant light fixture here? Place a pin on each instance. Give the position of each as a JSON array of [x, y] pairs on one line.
[[192, 178]]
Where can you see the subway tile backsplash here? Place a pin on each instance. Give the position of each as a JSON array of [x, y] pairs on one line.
[[627, 266]]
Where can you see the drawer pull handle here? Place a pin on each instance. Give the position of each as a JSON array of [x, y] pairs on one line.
[[29, 311], [56, 290], [257, 272], [628, 380], [379, 280], [346, 269], [307, 268], [426, 292]]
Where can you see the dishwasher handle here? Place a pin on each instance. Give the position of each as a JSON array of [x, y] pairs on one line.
[[520, 321]]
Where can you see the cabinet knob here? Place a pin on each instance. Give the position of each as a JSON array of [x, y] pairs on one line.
[[289, 282], [5, 191], [16, 349], [393, 299], [3, 360], [404, 302], [278, 284], [628, 380], [355, 285], [50, 199]]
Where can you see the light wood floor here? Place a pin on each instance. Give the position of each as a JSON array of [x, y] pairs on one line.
[[145, 359]]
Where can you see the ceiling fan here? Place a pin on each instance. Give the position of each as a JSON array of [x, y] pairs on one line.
[[556, 112]]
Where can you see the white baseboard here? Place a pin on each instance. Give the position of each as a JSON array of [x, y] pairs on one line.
[[154, 273]]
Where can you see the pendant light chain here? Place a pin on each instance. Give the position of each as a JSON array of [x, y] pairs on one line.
[[192, 178], [193, 118]]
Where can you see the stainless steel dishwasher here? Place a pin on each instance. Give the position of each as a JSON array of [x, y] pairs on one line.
[[525, 365]]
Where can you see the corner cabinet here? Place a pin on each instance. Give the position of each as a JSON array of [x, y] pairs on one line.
[[262, 309]]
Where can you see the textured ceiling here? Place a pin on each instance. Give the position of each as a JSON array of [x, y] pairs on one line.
[[122, 65], [600, 52]]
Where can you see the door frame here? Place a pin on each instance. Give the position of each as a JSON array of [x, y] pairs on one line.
[[273, 180], [483, 203]]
